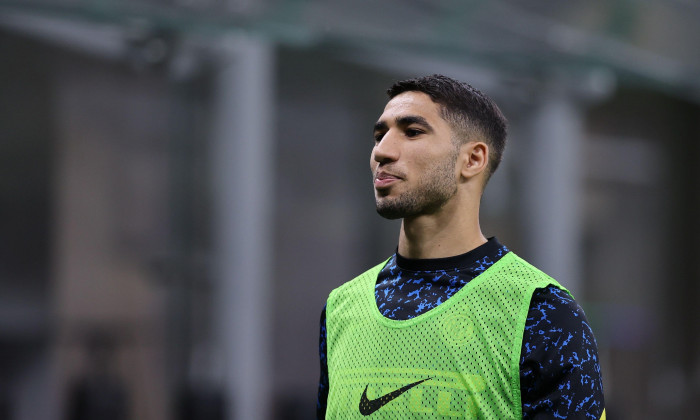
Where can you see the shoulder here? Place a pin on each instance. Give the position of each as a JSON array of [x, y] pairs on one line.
[[349, 287], [557, 325], [519, 267], [514, 272], [555, 305]]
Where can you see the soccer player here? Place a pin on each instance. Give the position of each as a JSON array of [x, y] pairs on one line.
[[453, 325]]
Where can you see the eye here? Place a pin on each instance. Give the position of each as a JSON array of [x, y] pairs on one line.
[[378, 137], [413, 132]]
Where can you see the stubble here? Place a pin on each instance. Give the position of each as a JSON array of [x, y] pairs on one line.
[[434, 189]]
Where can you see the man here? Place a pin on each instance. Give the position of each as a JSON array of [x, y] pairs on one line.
[[453, 325]]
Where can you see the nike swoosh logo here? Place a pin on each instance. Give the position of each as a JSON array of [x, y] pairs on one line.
[[368, 406]]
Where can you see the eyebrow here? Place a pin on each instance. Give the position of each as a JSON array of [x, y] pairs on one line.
[[404, 121], [380, 126]]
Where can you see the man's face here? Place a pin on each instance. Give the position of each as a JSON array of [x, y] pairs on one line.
[[413, 159]]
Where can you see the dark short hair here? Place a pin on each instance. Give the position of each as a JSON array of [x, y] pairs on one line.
[[466, 109]]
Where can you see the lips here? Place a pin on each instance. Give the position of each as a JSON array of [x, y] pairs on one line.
[[385, 179]]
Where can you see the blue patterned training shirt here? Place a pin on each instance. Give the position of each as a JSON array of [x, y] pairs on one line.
[[559, 368]]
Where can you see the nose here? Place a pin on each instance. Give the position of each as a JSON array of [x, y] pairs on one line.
[[387, 149]]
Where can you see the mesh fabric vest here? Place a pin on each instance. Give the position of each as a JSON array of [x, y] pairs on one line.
[[458, 360]]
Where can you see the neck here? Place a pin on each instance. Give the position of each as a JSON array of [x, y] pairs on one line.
[[453, 230]]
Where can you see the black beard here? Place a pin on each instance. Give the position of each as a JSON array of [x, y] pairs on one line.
[[435, 189], [409, 206]]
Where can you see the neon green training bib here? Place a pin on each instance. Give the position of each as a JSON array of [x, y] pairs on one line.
[[458, 360]]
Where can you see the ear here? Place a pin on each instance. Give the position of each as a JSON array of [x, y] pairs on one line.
[[474, 158]]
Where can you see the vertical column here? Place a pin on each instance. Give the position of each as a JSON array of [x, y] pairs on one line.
[[552, 189], [243, 169]]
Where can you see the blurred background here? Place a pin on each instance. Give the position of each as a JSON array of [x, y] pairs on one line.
[[183, 182]]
